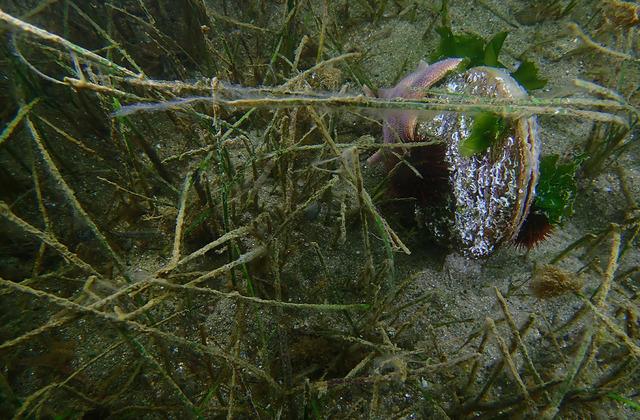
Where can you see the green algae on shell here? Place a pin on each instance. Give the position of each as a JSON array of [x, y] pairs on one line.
[[491, 192], [487, 196]]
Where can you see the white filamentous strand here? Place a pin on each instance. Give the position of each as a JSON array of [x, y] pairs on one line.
[[159, 106]]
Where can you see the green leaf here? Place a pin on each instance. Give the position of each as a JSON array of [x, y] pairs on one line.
[[527, 75], [467, 45], [200, 219], [624, 400], [556, 189], [487, 127], [492, 50]]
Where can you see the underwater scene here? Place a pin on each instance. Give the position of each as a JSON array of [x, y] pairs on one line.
[[319, 209]]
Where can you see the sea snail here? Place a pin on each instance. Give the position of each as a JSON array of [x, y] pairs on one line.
[[477, 202]]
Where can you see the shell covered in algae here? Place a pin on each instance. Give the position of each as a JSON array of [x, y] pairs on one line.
[[476, 202]]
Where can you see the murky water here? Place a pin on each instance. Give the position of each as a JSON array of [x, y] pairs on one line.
[[243, 255]]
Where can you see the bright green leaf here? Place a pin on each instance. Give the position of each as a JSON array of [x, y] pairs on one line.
[[492, 50], [465, 45], [624, 400], [474, 48], [527, 75], [487, 127], [556, 189]]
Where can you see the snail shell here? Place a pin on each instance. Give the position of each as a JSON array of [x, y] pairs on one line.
[[477, 202]]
